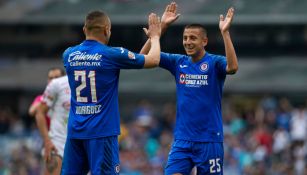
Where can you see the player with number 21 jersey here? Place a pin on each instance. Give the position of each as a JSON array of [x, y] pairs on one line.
[[94, 96]]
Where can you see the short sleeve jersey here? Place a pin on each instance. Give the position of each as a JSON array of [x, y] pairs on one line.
[[199, 87], [93, 71], [57, 98]]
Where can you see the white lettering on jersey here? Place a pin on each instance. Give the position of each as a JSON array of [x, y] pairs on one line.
[[83, 56], [88, 109], [193, 80], [78, 58]]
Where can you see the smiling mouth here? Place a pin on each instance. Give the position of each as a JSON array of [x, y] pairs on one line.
[[189, 49]]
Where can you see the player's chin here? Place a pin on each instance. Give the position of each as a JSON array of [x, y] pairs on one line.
[[189, 52]]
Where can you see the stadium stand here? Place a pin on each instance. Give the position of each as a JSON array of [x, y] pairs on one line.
[[124, 12]]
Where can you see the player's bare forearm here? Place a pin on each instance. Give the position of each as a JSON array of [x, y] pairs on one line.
[[232, 61], [224, 25], [41, 122], [152, 59], [145, 49]]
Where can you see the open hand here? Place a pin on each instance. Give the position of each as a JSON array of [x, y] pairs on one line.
[[170, 14], [225, 22], [154, 26]]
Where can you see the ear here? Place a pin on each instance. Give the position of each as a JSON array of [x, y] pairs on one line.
[[106, 31], [205, 41], [84, 30]]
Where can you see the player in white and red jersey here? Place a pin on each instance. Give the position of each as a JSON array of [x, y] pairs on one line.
[[54, 72], [56, 98]]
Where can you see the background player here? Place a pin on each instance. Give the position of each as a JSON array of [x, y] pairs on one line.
[[52, 73], [56, 98], [93, 71], [199, 79]]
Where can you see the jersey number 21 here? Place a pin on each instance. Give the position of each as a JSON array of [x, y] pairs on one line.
[[80, 75]]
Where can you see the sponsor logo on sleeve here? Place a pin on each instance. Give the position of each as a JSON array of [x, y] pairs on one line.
[[122, 50], [131, 55], [183, 66]]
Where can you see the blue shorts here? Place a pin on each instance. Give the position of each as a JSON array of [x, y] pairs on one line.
[[99, 155], [208, 158]]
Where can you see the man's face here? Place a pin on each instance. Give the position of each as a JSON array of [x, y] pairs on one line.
[[54, 74], [194, 41]]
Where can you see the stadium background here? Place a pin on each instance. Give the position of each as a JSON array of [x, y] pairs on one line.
[[264, 105]]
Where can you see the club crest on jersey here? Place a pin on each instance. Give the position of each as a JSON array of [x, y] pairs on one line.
[[131, 55], [182, 79], [204, 67]]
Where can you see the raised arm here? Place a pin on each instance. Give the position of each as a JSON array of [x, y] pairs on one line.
[[224, 25], [169, 16], [41, 112], [152, 59]]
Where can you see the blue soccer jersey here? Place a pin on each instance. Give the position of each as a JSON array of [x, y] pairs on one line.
[[93, 72], [199, 88]]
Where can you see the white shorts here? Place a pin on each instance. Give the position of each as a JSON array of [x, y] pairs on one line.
[[59, 145]]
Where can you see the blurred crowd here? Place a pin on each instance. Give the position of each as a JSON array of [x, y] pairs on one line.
[[263, 136]]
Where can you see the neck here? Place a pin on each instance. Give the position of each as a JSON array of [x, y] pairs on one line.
[[199, 56], [99, 39]]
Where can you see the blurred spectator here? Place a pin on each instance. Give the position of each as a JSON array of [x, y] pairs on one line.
[[261, 138], [281, 141], [143, 112], [298, 125], [4, 120], [284, 114], [268, 103], [298, 131]]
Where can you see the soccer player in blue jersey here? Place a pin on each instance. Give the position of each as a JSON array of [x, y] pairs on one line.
[[199, 77], [93, 71]]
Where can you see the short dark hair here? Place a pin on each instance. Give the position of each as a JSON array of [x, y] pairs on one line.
[[197, 26], [94, 20], [57, 68]]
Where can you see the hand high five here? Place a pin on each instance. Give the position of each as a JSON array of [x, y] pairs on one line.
[[169, 15], [154, 26], [225, 22]]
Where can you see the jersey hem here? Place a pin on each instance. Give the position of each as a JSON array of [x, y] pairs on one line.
[[93, 137], [200, 140]]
